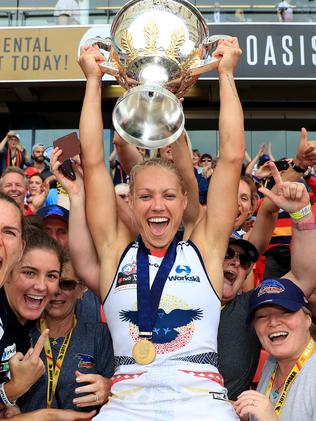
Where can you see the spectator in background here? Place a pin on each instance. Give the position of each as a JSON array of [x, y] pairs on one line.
[[203, 178], [12, 152], [118, 174], [37, 192], [196, 156], [13, 183], [285, 11], [68, 12], [38, 161]]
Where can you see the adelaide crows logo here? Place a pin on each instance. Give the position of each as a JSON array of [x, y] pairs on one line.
[[174, 326], [85, 360]]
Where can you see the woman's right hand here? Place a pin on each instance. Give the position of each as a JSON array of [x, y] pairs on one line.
[[72, 187], [89, 58], [256, 404]]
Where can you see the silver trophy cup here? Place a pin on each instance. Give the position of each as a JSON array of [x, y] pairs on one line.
[[156, 51]]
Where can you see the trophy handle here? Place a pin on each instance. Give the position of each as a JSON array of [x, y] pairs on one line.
[[105, 44], [208, 63]]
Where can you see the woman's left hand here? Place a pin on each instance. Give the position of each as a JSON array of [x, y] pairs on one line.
[[254, 403], [95, 393]]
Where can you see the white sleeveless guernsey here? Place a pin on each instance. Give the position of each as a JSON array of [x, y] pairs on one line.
[[183, 382]]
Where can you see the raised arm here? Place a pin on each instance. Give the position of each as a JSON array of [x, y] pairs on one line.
[[293, 198], [107, 232], [81, 247], [128, 154], [183, 161], [253, 161], [213, 232]]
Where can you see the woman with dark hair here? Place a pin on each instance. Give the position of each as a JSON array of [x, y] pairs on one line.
[[29, 286]]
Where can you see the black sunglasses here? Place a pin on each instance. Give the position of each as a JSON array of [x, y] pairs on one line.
[[68, 284], [244, 260], [206, 160]]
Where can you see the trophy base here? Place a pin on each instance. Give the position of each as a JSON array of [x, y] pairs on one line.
[[148, 116]]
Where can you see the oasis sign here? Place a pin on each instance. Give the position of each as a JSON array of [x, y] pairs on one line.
[[273, 51]]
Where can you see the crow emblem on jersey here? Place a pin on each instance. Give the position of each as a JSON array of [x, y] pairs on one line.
[[164, 330]]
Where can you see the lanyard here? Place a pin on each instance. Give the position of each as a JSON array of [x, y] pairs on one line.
[[53, 373], [308, 351], [148, 299]]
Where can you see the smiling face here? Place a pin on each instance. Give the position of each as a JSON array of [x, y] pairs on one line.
[[11, 243], [234, 275], [32, 283], [244, 204], [64, 301], [35, 184], [282, 333], [158, 204], [14, 185], [195, 159]]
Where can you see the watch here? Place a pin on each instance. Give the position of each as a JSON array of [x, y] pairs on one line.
[[297, 168]]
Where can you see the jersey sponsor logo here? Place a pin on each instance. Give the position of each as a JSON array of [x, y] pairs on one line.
[[184, 278], [270, 287], [8, 352], [183, 268], [85, 361], [127, 277]]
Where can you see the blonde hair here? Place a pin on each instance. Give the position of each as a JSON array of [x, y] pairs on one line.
[[158, 163]]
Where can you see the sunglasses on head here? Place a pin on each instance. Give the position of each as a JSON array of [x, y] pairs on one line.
[[244, 260], [68, 284]]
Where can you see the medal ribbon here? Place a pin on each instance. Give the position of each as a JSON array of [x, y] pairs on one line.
[[148, 299], [308, 351], [53, 373]]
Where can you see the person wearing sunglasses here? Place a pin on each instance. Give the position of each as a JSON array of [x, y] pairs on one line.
[[81, 381]]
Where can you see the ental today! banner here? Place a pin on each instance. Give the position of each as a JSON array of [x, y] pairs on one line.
[[45, 53], [270, 51]]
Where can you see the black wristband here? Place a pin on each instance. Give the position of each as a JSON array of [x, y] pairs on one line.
[[297, 168]]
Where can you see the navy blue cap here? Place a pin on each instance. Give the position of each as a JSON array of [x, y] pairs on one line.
[[277, 292], [263, 159], [247, 246], [53, 210]]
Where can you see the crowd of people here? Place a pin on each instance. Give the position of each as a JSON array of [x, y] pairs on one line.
[[156, 289]]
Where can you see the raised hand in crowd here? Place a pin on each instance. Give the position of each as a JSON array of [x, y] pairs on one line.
[[25, 369], [81, 246], [306, 151], [97, 392], [290, 196]]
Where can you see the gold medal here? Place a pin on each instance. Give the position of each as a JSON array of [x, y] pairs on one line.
[[144, 352]]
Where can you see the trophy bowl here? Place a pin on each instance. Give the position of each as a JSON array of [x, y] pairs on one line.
[[156, 51]]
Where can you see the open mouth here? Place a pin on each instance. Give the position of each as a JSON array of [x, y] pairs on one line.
[[34, 301], [230, 276], [278, 337], [57, 302], [158, 226]]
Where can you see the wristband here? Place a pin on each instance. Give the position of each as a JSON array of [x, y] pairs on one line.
[[297, 168], [4, 397], [303, 226], [301, 213]]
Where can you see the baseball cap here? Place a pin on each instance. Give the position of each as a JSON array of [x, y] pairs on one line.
[[279, 292], [247, 246], [54, 210], [37, 145], [263, 159], [31, 171], [15, 135]]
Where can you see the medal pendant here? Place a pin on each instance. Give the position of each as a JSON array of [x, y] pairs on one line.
[[144, 352]]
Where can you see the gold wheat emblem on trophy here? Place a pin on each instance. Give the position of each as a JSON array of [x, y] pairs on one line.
[[151, 34], [176, 42], [127, 43]]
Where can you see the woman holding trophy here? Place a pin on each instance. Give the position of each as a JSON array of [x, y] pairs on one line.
[[161, 296]]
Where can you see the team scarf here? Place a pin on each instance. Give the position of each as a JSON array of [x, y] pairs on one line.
[[16, 160]]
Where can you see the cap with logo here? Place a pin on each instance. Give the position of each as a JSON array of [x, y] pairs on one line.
[[278, 292], [54, 210]]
